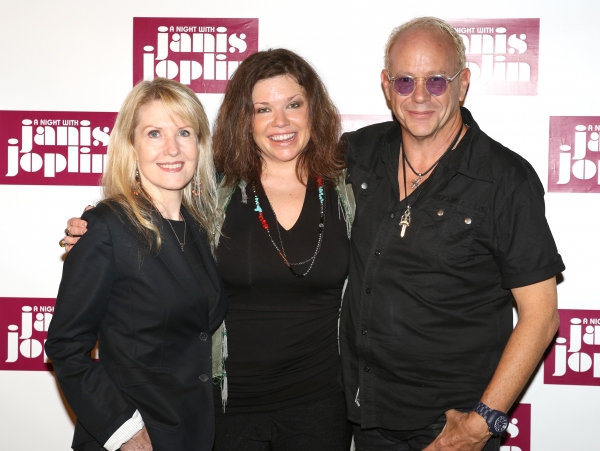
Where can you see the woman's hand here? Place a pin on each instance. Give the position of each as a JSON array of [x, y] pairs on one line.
[[141, 440], [75, 228]]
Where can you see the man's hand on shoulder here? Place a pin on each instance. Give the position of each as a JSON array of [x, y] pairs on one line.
[[463, 432]]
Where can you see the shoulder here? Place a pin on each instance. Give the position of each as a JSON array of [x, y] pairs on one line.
[[109, 215], [99, 238], [492, 160], [98, 214], [364, 144], [367, 134], [511, 175], [105, 210], [508, 164], [489, 157]]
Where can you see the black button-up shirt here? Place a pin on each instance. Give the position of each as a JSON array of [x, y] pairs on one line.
[[426, 317]]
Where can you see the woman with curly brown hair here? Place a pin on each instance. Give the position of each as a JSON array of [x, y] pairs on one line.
[[283, 254]]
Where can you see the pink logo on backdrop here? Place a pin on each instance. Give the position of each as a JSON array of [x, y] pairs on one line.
[[200, 53], [502, 54], [351, 122], [53, 148], [518, 434], [574, 154], [23, 330], [574, 359]]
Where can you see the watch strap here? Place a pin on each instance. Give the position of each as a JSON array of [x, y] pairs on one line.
[[497, 421]]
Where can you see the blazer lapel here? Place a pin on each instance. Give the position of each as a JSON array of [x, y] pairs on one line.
[[171, 255], [207, 258]]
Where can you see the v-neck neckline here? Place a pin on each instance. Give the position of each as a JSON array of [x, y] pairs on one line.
[[282, 228]]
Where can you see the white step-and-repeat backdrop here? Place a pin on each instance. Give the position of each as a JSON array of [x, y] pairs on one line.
[[67, 66]]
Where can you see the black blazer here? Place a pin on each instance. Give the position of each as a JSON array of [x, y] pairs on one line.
[[150, 316]]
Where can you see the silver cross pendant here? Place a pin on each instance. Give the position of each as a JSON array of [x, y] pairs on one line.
[[417, 182]]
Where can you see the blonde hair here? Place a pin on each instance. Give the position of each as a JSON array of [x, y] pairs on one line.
[[429, 23], [120, 177]]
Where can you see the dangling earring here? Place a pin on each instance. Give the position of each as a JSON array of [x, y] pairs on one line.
[[137, 188], [196, 187]]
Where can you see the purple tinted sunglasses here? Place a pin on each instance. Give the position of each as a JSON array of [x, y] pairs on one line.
[[435, 85]]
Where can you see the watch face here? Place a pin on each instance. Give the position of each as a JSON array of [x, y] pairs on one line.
[[501, 424]]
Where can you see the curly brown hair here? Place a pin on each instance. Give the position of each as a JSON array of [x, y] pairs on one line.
[[236, 154]]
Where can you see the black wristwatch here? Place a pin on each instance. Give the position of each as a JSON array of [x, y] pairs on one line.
[[497, 421]]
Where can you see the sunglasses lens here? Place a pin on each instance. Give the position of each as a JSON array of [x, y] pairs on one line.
[[404, 85], [436, 86]]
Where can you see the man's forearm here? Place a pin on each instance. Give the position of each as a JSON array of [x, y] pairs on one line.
[[537, 324]]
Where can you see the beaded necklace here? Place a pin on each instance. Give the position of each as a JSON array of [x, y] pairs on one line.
[[281, 252]]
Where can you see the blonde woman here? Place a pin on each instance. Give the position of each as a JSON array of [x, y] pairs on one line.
[[142, 281]]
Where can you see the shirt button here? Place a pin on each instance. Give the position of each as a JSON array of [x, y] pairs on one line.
[[363, 185], [392, 216], [203, 378], [368, 291], [364, 331], [440, 212], [367, 369], [203, 336], [378, 252], [467, 220]]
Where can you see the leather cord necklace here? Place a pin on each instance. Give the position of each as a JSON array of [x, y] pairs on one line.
[[417, 182], [405, 219]]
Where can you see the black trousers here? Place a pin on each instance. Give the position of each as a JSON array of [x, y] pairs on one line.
[[380, 439], [316, 426]]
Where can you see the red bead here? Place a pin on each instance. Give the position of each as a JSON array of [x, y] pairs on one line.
[[263, 221]]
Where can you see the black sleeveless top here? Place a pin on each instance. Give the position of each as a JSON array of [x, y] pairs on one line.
[[281, 330]]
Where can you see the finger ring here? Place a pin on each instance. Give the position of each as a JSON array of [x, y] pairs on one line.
[[68, 232], [62, 243]]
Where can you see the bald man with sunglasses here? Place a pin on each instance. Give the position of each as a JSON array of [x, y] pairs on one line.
[[449, 233]]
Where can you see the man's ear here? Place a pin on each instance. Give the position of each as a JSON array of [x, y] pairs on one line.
[[464, 80], [386, 84]]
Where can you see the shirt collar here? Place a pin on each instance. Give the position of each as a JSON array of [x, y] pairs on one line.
[[473, 151], [471, 157]]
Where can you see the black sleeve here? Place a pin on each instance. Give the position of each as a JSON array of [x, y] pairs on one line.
[[527, 250], [89, 273]]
